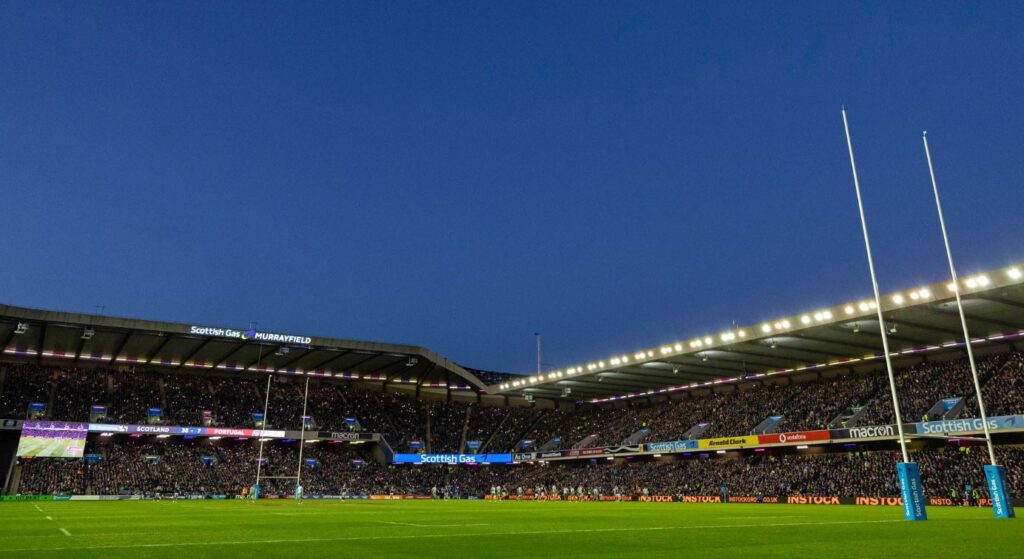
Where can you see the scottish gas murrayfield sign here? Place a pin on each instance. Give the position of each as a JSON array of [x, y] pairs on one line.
[[249, 335]]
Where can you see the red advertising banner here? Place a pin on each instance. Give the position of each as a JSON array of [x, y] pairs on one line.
[[795, 437]]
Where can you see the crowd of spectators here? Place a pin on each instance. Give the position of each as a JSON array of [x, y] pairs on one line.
[[23, 385], [447, 422], [148, 467], [129, 393], [923, 385], [75, 391]]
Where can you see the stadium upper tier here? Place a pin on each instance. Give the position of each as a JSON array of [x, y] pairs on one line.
[[128, 396], [38, 335], [919, 321]]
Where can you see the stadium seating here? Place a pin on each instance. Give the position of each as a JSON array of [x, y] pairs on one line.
[[150, 466]]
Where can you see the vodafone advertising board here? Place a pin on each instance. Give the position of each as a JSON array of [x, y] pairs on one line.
[[795, 437]]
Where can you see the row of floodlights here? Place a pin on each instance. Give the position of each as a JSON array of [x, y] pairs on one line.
[[815, 366], [979, 281]]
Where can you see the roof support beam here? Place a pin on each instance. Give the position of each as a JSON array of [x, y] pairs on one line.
[[361, 361], [78, 348], [193, 353], [284, 366], [991, 296], [845, 343], [974, 318], [7, 340], [120, 346], [666, 375], [159, 348], [229, 355], [42, 344]]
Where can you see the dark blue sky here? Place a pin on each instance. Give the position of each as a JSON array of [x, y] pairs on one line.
[[461, 175]]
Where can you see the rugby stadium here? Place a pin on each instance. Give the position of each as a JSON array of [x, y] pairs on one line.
[[783, 427], [270, 272]]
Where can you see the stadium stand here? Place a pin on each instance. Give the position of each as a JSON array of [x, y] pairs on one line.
[[403, 419]]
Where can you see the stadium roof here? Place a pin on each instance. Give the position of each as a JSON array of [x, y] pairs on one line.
[[922, 320], [83, 338]]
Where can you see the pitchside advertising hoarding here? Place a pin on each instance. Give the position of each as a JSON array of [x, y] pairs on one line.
[[972, 425], [672, 446], [452, 459], [728, 442], [795, 437]]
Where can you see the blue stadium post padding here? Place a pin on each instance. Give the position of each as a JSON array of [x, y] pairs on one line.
[[1002, 503], [912, 491]]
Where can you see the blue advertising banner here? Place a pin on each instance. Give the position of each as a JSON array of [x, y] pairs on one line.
[[950, 403], [673, 446], [912, 491], [452, 459], [971, 425], [998, 490]]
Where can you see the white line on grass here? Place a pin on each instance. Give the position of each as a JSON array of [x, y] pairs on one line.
[[37, 507], [463, 535], [756, 517], [49, 518], [431, 525], [65, 532]]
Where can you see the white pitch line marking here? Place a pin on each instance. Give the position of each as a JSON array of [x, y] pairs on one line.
[[464, 535], [756, 517], [49, 518], [65, 532], [37, 508], [431, 525]]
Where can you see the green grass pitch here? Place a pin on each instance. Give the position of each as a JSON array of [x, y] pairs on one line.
[[454, 529]]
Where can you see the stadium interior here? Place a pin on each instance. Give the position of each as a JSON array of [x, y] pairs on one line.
[[173, 409]]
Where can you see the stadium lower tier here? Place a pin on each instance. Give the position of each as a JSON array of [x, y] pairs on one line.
[[150, 466], [932, 390]]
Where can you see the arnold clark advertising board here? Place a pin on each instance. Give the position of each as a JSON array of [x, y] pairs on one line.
[[723, 442], [672, 446]]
